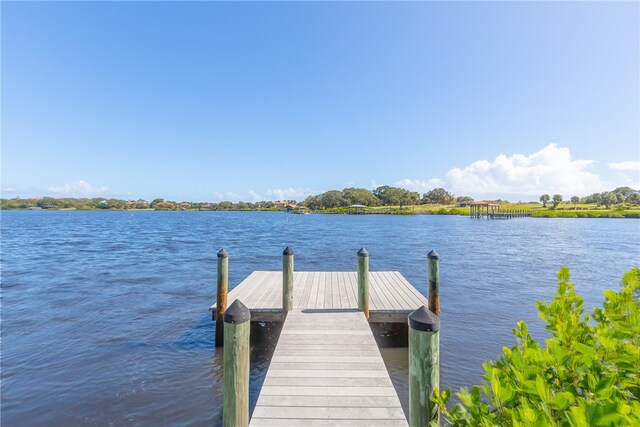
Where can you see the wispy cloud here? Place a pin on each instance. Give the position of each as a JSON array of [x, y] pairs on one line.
[[420, 186], [228, 196], [287, 193], [78, 188], [270, 194], [625, 166], [255, 197], [549, 170]]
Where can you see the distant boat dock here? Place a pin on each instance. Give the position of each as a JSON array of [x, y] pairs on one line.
[[327, 369], [492, 210]]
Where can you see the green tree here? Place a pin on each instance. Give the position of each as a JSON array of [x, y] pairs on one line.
[[557, 199], [608, 199], [575, 200], [332, 199], [586, 375], [409, 198], [634, 198], [312, 202], [389, 196], [625, 191], [544, 199], [154, 202], [438, 195], [464, 199], [360, 196]]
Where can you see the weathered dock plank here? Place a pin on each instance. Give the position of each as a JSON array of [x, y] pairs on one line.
[[392, 297], [327, 370]]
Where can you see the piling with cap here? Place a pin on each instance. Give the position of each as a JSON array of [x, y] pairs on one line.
[[433, 267], [287, 279], [235, 398], [222, 290], [424, 366], [363, 281]]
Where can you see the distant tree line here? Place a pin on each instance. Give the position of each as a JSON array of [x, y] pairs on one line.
[[607, 199], [382, 196], [101, 203]]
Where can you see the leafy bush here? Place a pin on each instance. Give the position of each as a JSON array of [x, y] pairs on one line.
[[588, 374]]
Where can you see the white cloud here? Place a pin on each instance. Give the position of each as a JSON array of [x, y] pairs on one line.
[[420, 186], [255, 197], [78, 188], [228, 196], [287, 193], [271, 194], [625, 166], [549, 170]]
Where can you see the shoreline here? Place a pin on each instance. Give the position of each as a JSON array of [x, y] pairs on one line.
[[611, 213]]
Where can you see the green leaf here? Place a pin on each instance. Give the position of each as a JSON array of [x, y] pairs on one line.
[[541, 388], [562, 400], [506, 393], [586, 350]]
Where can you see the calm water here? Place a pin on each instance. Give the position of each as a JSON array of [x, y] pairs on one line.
[[105, 314]]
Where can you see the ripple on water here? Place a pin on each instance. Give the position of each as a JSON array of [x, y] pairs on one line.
[[105, 314]]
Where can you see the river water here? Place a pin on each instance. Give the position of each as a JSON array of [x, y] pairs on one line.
[[105, 314]]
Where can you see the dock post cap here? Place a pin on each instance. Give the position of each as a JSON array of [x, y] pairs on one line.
[[433, 254], [222, 253], [237, 313], [287, 251], [424, 320], [363, 252]]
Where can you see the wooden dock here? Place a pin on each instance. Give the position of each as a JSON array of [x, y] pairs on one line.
[[327, 371], [392, 297]]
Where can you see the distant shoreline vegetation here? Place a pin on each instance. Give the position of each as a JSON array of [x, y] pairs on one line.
[[623, 202]]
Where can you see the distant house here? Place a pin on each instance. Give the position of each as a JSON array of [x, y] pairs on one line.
[[463, 204], [165, 205]]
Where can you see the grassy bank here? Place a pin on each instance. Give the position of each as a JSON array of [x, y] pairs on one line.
[[536, 210]]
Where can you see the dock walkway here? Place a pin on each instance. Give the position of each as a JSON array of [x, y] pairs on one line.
[[327, 369], [392, 297]]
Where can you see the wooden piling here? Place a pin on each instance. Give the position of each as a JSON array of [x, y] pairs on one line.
[[424, 367], [433, 269], [363, 281], [222, 290], [235, 399], [287, 279]]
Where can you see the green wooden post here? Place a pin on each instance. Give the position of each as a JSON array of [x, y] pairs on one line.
[[223, 287], [363, 281], [433, 267], [287, 279], [235, 398], [424, 367]]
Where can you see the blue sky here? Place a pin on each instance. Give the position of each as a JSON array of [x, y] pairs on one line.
[[212, 101]]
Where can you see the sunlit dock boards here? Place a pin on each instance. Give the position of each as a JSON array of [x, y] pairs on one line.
[[392, 297], [327, 371]]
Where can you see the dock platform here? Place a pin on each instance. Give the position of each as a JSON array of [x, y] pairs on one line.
[[327, 371], [392, 297]]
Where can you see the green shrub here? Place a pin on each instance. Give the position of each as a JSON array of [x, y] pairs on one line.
[[587, 374]]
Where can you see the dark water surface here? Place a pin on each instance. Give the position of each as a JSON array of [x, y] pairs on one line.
[[105, 314]]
